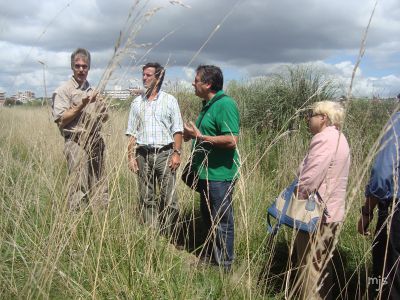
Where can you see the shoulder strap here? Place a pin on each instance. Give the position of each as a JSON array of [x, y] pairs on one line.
[[216, 99]]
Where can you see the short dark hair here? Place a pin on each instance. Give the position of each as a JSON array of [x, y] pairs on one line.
[[212, 75], [159, 73], [159, 68], [82, 52]]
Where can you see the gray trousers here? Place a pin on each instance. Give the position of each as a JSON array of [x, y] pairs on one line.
[[86, 173], [158, 212]]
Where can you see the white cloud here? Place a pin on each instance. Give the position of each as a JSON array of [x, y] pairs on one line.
[[189, 73], [345, 69], [256, 39]]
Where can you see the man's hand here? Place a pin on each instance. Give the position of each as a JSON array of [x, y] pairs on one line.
[[103, 111], [133, 165], [367, 214], [174, 162], [70, 114], [132, 161], [90, 98], [190, 131], [363, 224]]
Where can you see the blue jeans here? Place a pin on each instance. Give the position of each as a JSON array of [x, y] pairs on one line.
[[217, 212]]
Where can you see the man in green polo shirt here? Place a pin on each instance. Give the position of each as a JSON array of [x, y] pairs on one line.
[[216, 162]]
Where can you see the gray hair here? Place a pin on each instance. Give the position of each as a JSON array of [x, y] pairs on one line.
[[82, 53]]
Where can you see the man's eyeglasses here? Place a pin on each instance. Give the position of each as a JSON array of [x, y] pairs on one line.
[[78, 66], [198, 80]]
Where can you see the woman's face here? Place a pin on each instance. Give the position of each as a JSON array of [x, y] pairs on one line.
[[316, 122]]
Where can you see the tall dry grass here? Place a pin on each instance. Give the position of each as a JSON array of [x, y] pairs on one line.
[[49, 252]]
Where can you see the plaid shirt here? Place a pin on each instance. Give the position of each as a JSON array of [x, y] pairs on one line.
[[154, 122]]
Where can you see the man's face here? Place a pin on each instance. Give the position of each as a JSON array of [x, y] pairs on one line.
[[149, 77], [200, 88], [81, 69]]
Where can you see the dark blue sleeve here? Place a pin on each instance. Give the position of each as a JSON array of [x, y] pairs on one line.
[[385, 169]]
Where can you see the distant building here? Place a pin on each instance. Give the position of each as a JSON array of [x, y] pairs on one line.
[[136, 91], [2, 98], [376, 98], [117, 93], [25, 96]]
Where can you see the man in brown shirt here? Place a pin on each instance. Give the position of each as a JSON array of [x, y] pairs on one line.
[[79, 113]]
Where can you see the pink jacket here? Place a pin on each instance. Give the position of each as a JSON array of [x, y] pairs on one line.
[[326, 169]]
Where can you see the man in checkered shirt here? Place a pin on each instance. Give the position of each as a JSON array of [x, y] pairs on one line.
[[154, 149]]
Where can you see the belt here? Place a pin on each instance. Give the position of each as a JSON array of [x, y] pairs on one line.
[[92, 139], [147, 149], [71, 136]]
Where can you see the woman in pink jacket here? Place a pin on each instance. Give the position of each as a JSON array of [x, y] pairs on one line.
[[325, 169]]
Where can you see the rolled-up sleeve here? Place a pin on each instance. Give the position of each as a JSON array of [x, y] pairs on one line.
[[131, 129], [61, 103], [176, 118]]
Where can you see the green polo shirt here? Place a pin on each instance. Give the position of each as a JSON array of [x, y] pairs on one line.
[[218, 117]]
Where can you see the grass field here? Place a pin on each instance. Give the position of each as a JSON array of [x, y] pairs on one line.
[[48, 252]]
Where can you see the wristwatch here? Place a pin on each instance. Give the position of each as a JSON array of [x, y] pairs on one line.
[[179, 152]]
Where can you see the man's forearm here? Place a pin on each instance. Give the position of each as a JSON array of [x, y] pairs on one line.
[[220, 141], [131, 147], [69, 115], [370, 203], [178, 141]]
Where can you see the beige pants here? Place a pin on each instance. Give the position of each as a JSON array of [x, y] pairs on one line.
[[86, 174], [314, 253]]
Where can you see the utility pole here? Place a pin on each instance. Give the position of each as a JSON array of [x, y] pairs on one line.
[[44, 80]]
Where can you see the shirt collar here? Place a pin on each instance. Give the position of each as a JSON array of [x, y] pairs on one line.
[[208, 103], [84, 86], [144, 98]]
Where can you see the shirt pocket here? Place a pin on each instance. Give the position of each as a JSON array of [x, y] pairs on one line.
[[76, 97], [163, 114]]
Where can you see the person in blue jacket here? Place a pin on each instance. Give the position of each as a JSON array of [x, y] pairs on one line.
[[383, 190]]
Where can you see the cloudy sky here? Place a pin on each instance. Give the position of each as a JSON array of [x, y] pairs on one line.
[[247, 38]]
